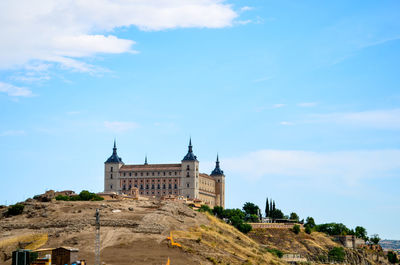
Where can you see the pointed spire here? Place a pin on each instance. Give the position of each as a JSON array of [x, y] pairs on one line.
[[145, 160], [190, 156], [114, 158], [217, 170]]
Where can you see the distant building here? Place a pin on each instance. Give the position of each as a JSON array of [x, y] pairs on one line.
[[350, 241], [180, 179]]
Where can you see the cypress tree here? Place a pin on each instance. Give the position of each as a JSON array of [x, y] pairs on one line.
[[271, 210], [273, 206], [267, 208]]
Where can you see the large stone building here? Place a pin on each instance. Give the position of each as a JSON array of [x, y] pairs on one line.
[[181, 179]]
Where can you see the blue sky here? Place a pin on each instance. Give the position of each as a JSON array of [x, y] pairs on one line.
[[300, 99]]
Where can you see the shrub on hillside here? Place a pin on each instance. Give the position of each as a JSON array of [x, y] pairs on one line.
[[15, 209], [244, 228], [336, 254], [83, 196], [296, 229], [62, 198], [276, 252], [308, 230], [205, 208], [392, 257]]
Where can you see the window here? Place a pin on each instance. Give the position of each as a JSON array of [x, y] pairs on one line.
[[152, 174], [187, 184], [152, 186], [158, 186], [147, 186], [187, 175], [141, 173], [130, 174], [141, 186], [164, 173], [175, 186], [130, 186], [110, 186], [163, 186], [158, 173], [111, 176], [169, 186], [135, 185], [170, 173], [124, 187], [187, 167], [219, 181], [147, 173], [135, 174], [124, 174], [152, 193], [175, 173], [111, 169]]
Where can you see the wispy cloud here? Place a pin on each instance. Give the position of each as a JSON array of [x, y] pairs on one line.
[[246, 8], [120, 126], [346, 167], [279, 105], [15, 91], [12, 133], [286, 123], [307, 104], [377, 119]]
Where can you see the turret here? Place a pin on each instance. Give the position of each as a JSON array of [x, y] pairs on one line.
[[111, 171], [190, 174], [219, 177]]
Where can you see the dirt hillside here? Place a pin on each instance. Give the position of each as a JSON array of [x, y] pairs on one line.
[[132, 232]]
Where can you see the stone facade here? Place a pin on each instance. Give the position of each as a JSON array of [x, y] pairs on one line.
[[180, 179]]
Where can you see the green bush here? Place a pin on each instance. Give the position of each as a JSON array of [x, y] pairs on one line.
[[275, 252], [15, 209], [205, 208], [392, 257], [296, 229], [62, 198], [336, 254], [308, 229], [244, 228]]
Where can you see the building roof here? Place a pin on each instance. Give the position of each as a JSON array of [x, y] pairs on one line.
[[114, 158], [217, 170], [190, 155], [203, 175], [150, 167]]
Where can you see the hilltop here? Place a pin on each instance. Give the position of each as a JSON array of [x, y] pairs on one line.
[[135, 232]]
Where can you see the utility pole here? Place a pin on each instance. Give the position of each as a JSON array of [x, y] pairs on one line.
[[97, 241]]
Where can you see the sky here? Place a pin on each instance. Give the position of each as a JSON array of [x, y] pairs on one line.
[[300, 99]]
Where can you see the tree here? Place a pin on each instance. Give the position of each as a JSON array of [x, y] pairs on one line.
[[296, 229], [294, 216], [252, 218], [267, 208], [277, 214], [361, 232], [310, 222], [392, 257], [307, 230], [336, 254], [375, 239], [218, 211], [250, 208], [205, 208], [273, 206]]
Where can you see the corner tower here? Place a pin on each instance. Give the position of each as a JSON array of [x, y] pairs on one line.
[[111, 171], [219, 177], [189, 185]]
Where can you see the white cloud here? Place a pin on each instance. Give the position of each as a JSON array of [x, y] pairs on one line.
[[120, 126], [246, 8], [15, 91], [377, 119], [307, 104], [279, 105], [66, 30], [12, 133], [286, 123], [347, 167]]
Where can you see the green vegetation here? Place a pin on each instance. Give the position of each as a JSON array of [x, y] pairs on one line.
[[83, 196], [296, 229], [294, 217], [374, 239], [334, 229], [15, 209], [336, 254], [361, 232], [392, 257], [275, 252], [307, 230]]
